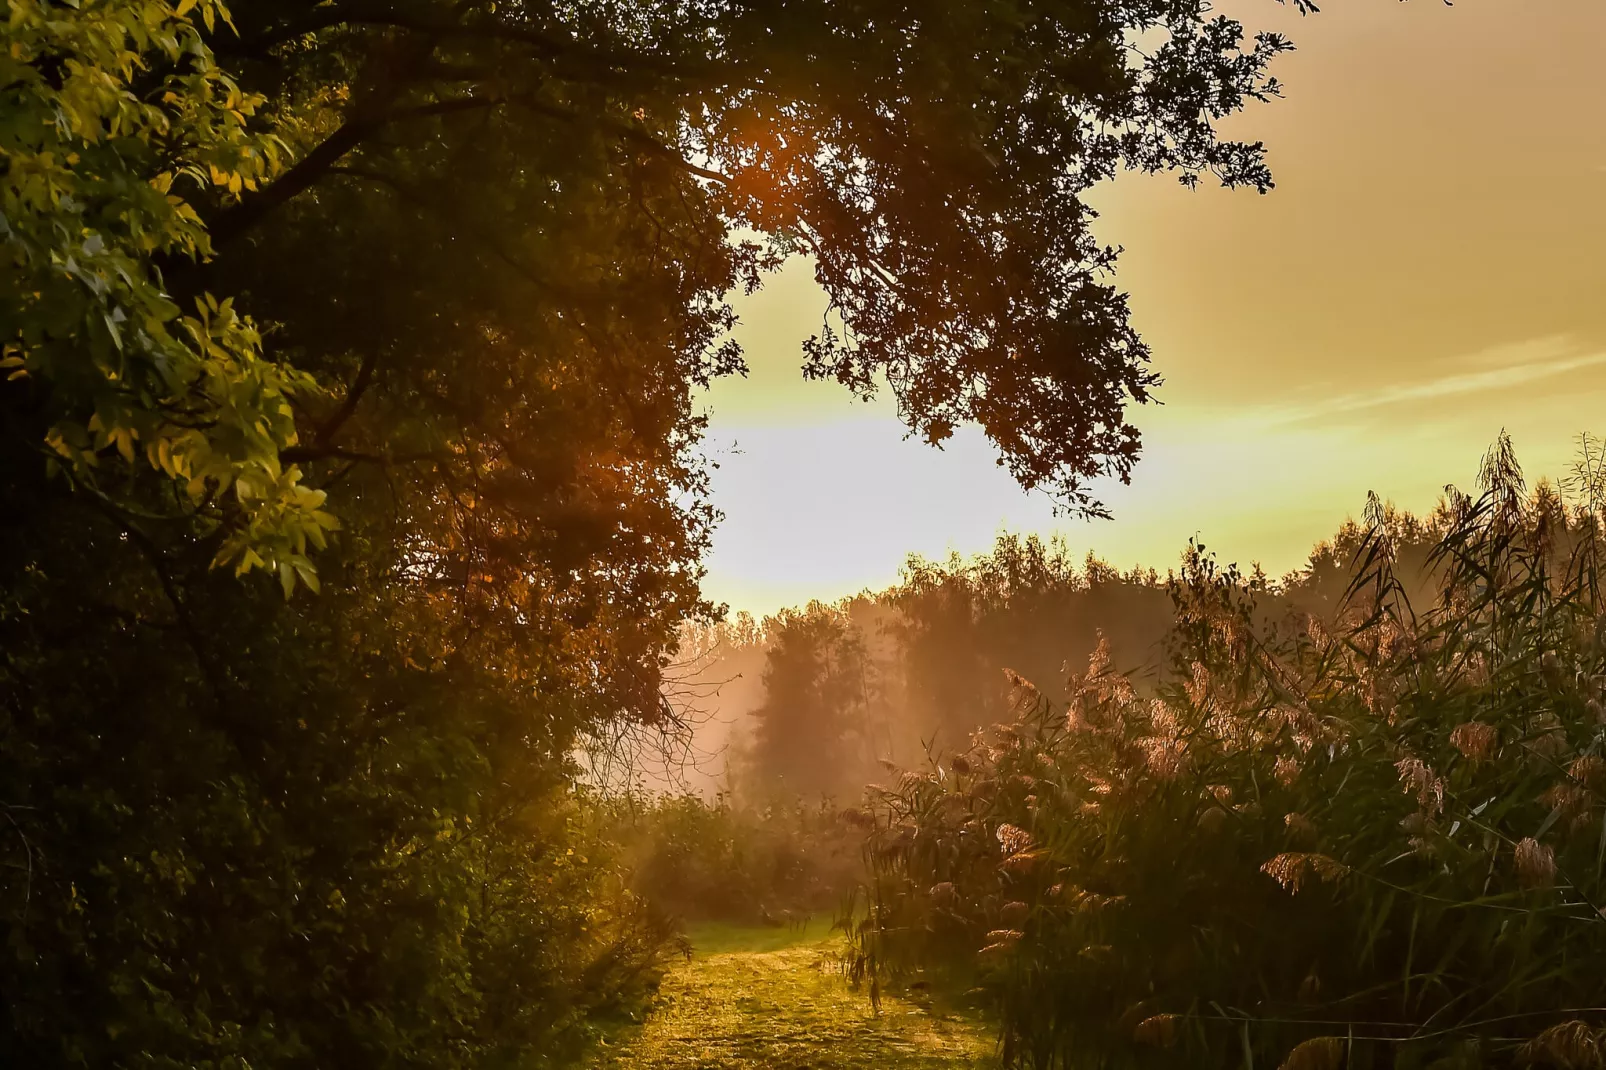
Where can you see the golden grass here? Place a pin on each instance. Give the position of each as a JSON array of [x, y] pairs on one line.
[[764, 998]]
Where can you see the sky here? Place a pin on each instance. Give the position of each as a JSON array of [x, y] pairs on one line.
[[1428, 271]]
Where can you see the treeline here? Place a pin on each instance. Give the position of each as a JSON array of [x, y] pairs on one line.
[[814, 699]]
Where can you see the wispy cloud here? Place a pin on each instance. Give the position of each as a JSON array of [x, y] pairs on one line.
[[1499, 369]]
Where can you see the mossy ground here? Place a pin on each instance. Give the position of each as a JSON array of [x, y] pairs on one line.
[[766, 998]]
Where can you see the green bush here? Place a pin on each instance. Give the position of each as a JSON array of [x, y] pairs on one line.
[[783, 861]]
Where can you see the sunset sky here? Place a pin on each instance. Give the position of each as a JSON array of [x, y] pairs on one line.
[[1428, 270]]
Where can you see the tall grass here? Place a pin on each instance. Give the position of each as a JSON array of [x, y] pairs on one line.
[[1373, 839]]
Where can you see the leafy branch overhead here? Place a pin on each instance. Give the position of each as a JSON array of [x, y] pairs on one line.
[[931, 159], [116, 117]]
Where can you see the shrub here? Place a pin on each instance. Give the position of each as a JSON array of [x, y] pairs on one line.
[[720, 860]]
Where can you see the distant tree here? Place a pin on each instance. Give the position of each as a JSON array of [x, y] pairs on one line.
[[811, 733], [1028, 606]]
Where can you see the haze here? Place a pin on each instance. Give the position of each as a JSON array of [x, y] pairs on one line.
[[1426, 272]]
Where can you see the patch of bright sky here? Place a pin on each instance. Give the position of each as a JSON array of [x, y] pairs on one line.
[[1428, 272]]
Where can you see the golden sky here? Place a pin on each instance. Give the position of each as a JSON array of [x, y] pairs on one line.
[[1429, 269]]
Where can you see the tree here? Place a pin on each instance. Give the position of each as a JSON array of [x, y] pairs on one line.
[[484, 250], [810, 735], [111, 111]]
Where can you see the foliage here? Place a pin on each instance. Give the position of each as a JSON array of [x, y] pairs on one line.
[[349, 846], [1373, 839], [1025, 606], [784, 861], [814, 733], [931, 160], [113, 111]]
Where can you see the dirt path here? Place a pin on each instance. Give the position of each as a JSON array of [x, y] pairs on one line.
[[756, 998]]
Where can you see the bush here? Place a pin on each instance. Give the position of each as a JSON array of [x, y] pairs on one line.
[[1371, 840], [723, 861]]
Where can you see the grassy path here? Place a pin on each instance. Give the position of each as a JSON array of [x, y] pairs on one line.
[[758, 998]]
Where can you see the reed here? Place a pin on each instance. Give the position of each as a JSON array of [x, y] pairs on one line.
[[1369, 836]]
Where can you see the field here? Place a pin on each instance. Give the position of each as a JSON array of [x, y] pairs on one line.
[[766, 998]]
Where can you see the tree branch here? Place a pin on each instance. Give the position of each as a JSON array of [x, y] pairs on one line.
[[624, 132], [302, 454], [573, 60], [251, 210], [348, 404]]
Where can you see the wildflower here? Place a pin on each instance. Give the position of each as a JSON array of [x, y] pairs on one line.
[[1198, 685], [1162, 720], [1023, 862], [1317, 1053], [1002, 940], [1023, 695], [1086, 902], [1536, 864], [1476, 742], [1548, 740], [1165, 757], [1159, 1030], [1098, 663]]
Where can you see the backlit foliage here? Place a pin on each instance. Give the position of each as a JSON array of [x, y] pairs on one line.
[[116, 115]]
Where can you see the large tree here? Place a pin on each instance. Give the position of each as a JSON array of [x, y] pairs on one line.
[[441, 276]]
